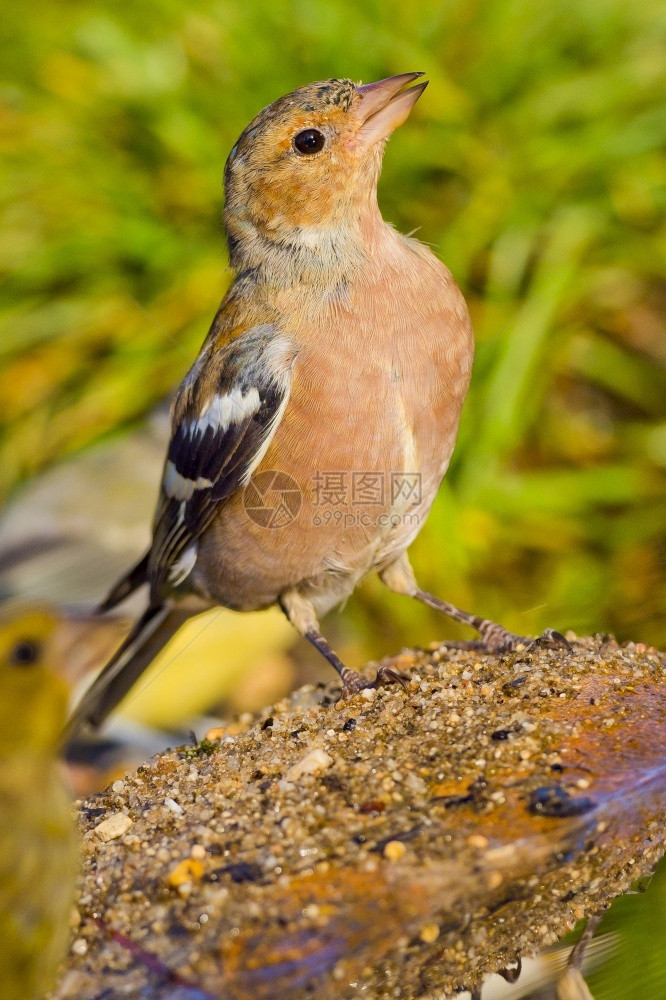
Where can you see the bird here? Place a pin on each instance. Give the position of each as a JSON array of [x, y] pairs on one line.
[[39, 848], [310, 436]]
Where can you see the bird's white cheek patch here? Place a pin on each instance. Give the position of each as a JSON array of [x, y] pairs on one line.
[[223, 410], [178, 487]]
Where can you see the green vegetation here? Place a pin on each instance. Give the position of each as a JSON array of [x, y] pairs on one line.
[[201, 748]]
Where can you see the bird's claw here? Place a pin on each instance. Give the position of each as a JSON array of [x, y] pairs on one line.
[[552, 639], [387, 675], [353, 682]]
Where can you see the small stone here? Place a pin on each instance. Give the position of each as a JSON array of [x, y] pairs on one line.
[[339, 972], [495, 879], [429, 933], [113, 826], [315, 761], [369, 694], [415, 783], [394, 850], [173, 806], [118, 786], [79, 946], [477, 840], [198, 852], [186, 872]]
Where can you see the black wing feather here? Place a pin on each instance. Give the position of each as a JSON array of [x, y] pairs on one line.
[[212, 460]]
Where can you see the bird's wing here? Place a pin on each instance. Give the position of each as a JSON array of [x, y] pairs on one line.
[[223, 419]]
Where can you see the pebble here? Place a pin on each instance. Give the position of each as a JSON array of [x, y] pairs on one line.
[[415, 783], [113, 826], [394, 850], [215, 734], [495, 879], [186, 872], [174, 807], [477, 840], [429, 933], [315, 761], [79, 946]]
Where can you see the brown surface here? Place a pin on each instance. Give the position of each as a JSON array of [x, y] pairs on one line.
[[416, 861]]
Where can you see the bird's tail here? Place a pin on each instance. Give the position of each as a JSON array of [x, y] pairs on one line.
[[152, 631], [127, 584]]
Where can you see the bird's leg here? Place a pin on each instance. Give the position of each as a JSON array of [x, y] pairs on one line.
[[352, 680], [399, 577], [578, 951], [301, 614], [571, 985]]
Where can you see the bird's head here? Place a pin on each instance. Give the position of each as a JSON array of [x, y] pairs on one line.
[[33, 698], [308, 164]]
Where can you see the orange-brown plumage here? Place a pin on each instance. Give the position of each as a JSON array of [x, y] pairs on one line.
[[375, 376], [342, 348]]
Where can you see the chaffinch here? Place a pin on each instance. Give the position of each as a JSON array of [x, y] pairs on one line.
[[311, 434]]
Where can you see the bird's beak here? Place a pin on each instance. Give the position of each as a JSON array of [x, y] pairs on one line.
[[384, 105]]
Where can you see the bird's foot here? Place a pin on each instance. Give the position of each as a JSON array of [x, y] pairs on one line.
[[495, 639], [353, 682]]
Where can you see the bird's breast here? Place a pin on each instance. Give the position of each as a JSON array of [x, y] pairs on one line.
[[378, 384], [363, 443]]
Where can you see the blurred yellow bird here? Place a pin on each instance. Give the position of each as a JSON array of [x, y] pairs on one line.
[[38, 843]]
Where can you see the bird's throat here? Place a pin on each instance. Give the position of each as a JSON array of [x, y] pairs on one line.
[[321, 257]]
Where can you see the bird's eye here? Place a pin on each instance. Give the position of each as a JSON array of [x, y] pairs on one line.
[[309, 141], [24, 653]]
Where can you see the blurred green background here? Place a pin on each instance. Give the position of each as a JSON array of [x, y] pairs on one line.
[[533, 165]]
